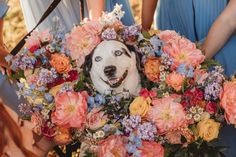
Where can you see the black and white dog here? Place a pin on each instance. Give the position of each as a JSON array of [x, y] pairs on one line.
[[113, 68]]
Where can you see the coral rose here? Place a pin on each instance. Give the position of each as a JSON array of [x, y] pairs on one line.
[[175, 80], [151, 69], [60, 62], [228, 101], [183, 51], [140, 106], [208, 129], [151, 149], [113, 146], [96, 118], [70, 110], [167, 114]]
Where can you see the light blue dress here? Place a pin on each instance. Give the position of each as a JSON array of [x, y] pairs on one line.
[[68, 11], [7, 91], [193, 19]]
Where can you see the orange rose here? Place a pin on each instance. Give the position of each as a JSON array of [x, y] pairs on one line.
[[228, 101], [175, 80], [60, 62], [151, 69]]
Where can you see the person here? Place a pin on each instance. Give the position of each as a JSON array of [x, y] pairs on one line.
[[17, 138], [193, 19], [69, 12]]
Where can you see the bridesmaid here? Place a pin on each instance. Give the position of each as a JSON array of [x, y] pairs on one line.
[[7, 91], [193, 19], [69, 12]]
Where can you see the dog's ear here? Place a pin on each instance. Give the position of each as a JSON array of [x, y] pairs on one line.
[[88, 64], [137, 55]]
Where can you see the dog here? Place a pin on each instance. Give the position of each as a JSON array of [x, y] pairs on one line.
[[113, 68]]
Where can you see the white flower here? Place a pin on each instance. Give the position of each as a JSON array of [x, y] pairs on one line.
[[197, 117], [193, 110]]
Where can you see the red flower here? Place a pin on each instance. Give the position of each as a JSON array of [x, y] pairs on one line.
[[73, 75], [192, 97], [145, 93], [211, 107], [34, 48], [47, 131]]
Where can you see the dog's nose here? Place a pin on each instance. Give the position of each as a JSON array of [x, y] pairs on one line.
[[110, 71]]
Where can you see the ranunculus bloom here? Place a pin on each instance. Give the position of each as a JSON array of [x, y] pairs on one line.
[[151, 149], [167, 114], [113, 146], [168, 35], [211, 107], [140, 106], [70, 110], [60, 62], [183, 51], [81, 42], [175, 80], [151, 69], [228, 101], [96, 118], [208, 129], [200, 75]]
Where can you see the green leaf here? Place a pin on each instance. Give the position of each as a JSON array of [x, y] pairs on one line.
[[146, 34]]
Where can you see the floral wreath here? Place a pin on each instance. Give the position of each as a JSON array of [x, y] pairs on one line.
[[178, 110]]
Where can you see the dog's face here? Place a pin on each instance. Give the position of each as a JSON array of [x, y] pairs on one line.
[[114, 68]]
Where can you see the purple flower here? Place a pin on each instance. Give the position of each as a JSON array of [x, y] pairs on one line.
[[146, 131], [47, 76], [25, 108], [109, 34], [131, 123]]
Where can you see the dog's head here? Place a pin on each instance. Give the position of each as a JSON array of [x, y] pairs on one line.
[[112, 67]]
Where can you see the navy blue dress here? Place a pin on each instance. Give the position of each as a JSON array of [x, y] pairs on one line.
[[193, 19]]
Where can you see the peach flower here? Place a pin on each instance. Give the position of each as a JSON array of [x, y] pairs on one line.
[[175, 80], [60, 62], [151, 69], [228, 101], [96, 118], [167, 114], [174, 137], [113, 146], [81, 42], [151, 149], [168, 35], [200, 75], [63, 136], [94, 27], [45, 36], [183, 51], [70, 110]]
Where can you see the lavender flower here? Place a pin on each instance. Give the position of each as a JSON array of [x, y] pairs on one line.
[[131, 123], [166, 60], [47, 76], [109, 34], [25, 108], [23, 62], [131, 31], [212, 91], [146, 131]]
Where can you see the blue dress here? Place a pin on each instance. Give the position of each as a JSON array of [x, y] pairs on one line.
[[68, 11], [193, 19], [7, 91]]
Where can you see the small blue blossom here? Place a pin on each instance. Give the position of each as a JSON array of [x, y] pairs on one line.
[[48, 97], [100, 99]]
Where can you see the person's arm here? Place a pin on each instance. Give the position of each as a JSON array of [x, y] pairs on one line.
[[221, 30], [95, 8], [148, 10]]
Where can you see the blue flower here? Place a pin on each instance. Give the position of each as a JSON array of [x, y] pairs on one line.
[[99, 99], [186, 70], [48, 97]]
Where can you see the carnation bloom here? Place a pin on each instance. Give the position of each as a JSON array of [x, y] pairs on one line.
[[167, 114], [81, 42], [175, 80], [151, 149], [228, 101], [60, 63], [113, 146], [151, 69], [183, 51], [70, 110]]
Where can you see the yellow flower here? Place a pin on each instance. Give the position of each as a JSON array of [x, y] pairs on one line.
[[140, 106], [208, 129], [55, 90]]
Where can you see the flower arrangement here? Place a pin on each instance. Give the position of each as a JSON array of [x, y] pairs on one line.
[[178, 110]]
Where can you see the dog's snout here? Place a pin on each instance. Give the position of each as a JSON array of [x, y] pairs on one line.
[[110, 71]]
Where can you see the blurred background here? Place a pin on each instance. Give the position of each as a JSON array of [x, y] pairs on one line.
[[14, 26]]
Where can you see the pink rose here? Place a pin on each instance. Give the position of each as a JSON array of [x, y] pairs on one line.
[[151, 149], [32, 43], [81, 43], [70, 110], [168, 35], [211, 107], [183, 51], [167, 114], [113, 146], [96, 118], [228, 101], [175, 80]]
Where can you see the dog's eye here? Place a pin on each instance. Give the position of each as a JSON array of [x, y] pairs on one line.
[[98, 59], [118, 53]]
